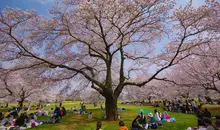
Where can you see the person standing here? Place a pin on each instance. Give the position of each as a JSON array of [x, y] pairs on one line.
[[61, 104], [193, 106]]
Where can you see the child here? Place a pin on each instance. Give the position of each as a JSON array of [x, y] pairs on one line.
[[122, 126], [90, 116], [119, 117], [99, 125]]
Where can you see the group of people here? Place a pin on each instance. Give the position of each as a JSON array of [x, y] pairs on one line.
[[208, 125], [82, 110], [17, 119], [23, 120], [187, 106], [151, 121], [141, 122], [204, 120]]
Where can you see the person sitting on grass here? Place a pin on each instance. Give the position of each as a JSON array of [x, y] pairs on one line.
[[135, 123], [27, 119], [75, 109], [56, 112], [90, 116], [33, 117], [32, 122], [165, 116], [200, 115], [122, 126], [142, 120], [99, 125], [207, 113], [56, 116], [6, 120], [217, 123], [151, 117], [38, 111], [208, 124], [12, 122], [14, 112], [20, 121], [62, 112], [157, 116], [1, 116], [51, 112]]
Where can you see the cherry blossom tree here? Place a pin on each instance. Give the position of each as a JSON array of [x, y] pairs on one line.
[[154, 89], [20, 85], [91, 96], [201, 70], [111, 44]]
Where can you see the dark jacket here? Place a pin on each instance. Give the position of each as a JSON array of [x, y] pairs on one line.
[[135, 124], [143, 120], [20, 121], [57, 112], [207, 114]]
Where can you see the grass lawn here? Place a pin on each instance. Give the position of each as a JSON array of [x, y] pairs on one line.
[[81, 122]]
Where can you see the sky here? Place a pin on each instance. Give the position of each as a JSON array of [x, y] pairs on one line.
[[42, 6]]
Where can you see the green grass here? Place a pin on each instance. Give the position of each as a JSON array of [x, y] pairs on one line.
[[81, 122]]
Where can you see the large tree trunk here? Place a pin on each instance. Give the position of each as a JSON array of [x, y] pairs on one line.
[[111, 108]]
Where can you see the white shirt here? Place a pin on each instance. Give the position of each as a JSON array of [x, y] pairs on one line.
[[157, 117]]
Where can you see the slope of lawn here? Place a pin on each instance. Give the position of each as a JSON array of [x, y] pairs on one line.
[[81, 122]]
